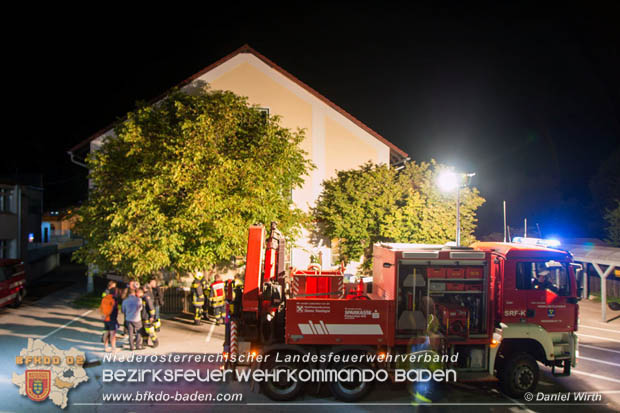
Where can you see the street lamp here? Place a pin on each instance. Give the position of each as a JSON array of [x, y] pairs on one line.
[[448, 181]]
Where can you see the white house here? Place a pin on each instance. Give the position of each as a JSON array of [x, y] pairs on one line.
[[335, 140]]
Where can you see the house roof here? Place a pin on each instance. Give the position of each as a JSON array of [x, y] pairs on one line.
[[247, 49]]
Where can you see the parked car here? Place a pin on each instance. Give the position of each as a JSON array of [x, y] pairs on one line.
[[12, 282]]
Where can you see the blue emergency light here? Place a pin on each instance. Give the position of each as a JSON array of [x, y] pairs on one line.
[[548, 243]]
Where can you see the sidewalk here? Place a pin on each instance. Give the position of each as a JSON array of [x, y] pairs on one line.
[[590, 310], [178, 334], [52, 319]]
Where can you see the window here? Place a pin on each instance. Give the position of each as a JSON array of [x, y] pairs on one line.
[[334, 245], [264, 113], [5, 248], [550, 275], [6, 199]]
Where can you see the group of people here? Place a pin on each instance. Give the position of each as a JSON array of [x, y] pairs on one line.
[[215, 292], [140, 306]]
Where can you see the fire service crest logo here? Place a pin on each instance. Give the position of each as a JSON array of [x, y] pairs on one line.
[[38, 384], [50, 372]]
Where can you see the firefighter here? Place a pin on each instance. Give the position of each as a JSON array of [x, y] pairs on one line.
[[237, 291], [198, 295], [217, 299], [158, 300], [422, 391], [543, 281], [148, 316], [233, 299]]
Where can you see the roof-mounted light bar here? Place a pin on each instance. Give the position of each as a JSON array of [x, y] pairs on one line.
[[548, 243]]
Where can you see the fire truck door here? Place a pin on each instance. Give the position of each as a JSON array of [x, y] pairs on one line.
[[544, 288], [5, 290], [513, 302]]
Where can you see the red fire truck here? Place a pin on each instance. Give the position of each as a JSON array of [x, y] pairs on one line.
[[12, 282], [502, 307]]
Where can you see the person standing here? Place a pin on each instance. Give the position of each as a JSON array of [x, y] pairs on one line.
[[132, 309], [217, 299], [158, 301], [198, 296], [109, 311], [236, 295], [110, 290], [148, 315]]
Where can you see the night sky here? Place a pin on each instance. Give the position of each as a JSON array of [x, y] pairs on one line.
[[527, 98]]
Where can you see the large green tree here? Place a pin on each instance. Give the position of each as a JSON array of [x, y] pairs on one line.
[[180, 182], [376, 203]]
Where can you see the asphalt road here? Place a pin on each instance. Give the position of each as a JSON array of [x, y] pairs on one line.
[[48, 315]]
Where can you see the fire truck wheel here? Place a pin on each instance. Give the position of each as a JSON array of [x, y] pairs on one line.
[[18, 299], [354, 390], [281, 390], [519, 375]]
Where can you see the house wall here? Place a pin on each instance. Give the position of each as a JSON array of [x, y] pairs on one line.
[[9, 221], [21, 218]]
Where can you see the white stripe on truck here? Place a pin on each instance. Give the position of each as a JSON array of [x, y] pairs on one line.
[[342, 329]]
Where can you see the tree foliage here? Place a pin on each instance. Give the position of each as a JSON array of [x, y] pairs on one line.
[[612, 217], [376, 203], [180, 182]]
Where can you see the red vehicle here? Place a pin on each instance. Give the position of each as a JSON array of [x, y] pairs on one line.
[[502, 307], [12, 282]]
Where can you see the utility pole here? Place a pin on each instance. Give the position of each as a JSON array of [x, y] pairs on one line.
[[458, 216], [504, 221]]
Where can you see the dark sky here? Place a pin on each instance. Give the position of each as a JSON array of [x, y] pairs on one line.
[[528, 98]]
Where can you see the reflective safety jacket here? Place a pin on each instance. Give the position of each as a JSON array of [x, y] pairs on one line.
[[217, 293], [237, 295], [148, 308], [198, 291]]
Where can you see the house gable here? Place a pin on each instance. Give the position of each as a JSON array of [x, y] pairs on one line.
[[246, 54], [241, 62]]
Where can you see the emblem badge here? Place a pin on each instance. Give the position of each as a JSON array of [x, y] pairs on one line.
[[551, 312], [38, 384]]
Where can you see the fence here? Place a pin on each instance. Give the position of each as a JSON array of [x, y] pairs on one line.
[[175, 300], [613, 285]]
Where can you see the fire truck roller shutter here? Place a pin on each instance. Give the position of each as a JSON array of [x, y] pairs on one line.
[[412, 319]]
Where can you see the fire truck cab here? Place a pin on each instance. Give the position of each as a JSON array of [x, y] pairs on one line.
[[536, 311], [497, 309]]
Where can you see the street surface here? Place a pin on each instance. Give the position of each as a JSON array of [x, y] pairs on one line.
[[47, 315]]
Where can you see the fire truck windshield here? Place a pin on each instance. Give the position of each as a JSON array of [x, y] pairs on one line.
[[550, 275]]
